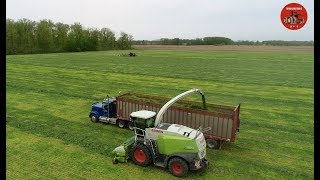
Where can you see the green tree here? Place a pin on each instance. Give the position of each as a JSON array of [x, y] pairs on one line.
[[217, 41], [175, 41], [76, 39], [26, 40], [164, 41], [11, 37], [91, 39], [44, 35], [60, 34], [107, 39], [26, 36], [124, 41]]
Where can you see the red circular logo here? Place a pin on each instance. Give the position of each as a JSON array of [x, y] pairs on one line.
[[294, 16]]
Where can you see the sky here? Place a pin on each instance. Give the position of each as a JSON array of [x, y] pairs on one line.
[[187, 19]]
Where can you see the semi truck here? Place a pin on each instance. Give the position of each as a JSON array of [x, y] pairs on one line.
[[171, 146], [224, 120]]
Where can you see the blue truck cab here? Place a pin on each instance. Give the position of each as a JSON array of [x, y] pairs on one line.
[[106, 111]]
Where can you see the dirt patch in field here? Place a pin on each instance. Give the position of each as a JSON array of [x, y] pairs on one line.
[[227, 48]]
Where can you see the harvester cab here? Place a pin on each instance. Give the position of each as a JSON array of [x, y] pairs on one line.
[[143, 119]]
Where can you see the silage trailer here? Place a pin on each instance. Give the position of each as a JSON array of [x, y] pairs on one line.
[[223, 120]]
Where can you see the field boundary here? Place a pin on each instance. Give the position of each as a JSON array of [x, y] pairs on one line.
[[226, 48]]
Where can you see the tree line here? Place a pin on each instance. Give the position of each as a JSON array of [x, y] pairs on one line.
[[220, 41], [25, 36]]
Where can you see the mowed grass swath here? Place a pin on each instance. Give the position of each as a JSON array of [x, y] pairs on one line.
[[49, 97]]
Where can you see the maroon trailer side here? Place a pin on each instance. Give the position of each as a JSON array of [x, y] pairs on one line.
[[223, 120]]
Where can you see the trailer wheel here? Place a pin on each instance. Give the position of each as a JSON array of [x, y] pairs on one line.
[[140, 155], [94, 118], [212, 144], [130, 126], [178, 167], [121, 124]]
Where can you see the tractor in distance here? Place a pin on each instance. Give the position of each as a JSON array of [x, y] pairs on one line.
[[173, 146]]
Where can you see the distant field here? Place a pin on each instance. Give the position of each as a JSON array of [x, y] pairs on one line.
[[227, 48], [49, 96]]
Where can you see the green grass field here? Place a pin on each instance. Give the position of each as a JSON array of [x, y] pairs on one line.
[[49, 96]]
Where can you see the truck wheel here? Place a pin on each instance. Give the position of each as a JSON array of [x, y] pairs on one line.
[[94, 118], [130, 126], [212, 144], [140, 155], [121, 124], [178, 167]]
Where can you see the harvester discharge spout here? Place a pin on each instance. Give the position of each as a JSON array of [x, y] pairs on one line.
[[175, 99]]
